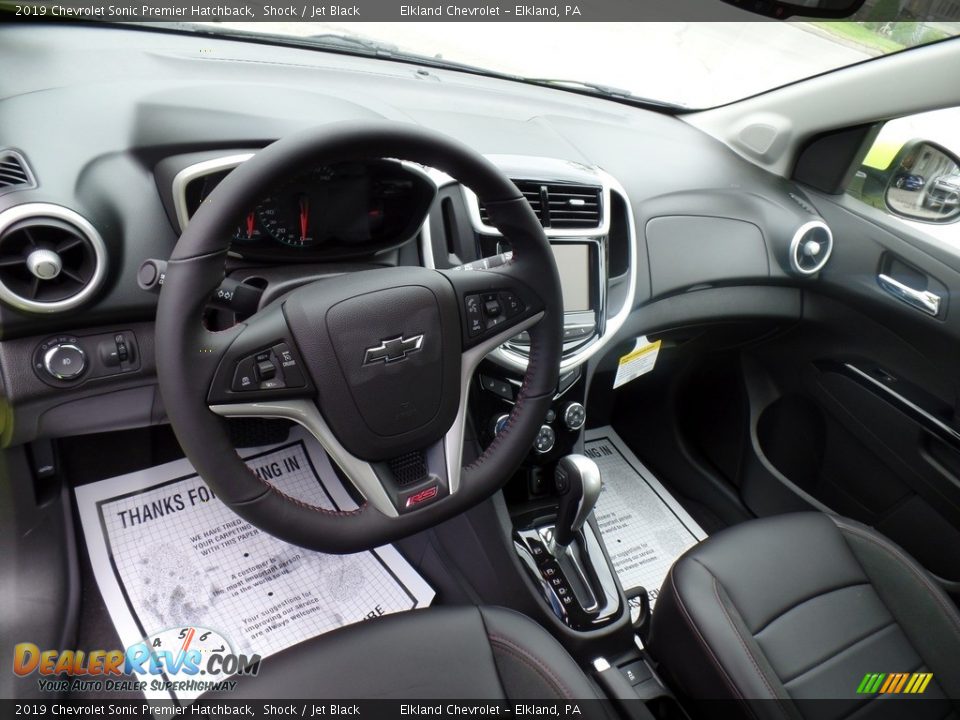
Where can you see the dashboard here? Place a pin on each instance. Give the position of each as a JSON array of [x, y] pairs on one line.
[[650, 218]]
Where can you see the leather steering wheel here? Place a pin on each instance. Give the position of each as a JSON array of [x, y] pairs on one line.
[[375, 364]]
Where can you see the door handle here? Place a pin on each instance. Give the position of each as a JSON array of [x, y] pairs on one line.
[[922, 300]]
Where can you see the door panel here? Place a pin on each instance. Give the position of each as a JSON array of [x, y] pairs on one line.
[[856, 410]]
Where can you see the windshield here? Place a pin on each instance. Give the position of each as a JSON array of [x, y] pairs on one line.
[[691, 65]]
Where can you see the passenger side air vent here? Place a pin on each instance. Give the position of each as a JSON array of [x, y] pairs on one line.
[[51, 258], [561, 206], [810, 248], [14, 172]]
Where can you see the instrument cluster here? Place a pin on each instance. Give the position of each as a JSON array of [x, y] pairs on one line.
[[346, 210]]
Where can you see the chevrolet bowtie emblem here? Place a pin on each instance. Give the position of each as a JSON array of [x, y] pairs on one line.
[[393, 350]]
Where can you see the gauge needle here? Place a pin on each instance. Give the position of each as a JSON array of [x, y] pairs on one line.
[[304, 217], [187, 640], [251, 221]]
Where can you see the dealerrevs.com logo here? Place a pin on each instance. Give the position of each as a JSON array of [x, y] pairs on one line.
[[192, 659]]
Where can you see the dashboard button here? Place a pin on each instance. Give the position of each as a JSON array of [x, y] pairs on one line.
[[545, 440], [574, 416], [65, 362]]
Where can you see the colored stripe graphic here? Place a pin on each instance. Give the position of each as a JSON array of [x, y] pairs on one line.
[[894, 683]]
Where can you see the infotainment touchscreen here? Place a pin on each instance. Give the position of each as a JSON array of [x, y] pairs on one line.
[[573, 263]]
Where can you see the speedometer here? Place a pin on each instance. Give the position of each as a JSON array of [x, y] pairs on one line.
[[286, 217]]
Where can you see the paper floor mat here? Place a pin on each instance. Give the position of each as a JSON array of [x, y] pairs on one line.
[[173, 562], [644, 528]]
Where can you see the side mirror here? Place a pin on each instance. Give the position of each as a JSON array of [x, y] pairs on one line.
[[832, 9], [925, 185]]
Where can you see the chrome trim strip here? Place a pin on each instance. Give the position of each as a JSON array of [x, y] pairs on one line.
[[37, 212], [473, 210], [922, 300], [795, 245], [195, 171]]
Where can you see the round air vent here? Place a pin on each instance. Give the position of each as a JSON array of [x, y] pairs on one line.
[[810, 247], [51, 258]]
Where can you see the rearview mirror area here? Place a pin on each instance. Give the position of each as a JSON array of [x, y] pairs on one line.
[[831, 9], [925, 185]]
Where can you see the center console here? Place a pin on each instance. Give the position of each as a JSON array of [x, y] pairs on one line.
[[552, 539]]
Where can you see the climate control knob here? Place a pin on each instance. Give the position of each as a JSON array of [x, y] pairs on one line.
[[65, 362], [574, 416], [545, 440]]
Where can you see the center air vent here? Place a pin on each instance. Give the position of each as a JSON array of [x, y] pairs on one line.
[[810, 247], [51, 258], [561, 206]]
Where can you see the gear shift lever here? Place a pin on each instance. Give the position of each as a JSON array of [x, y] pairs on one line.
[[579, 483]]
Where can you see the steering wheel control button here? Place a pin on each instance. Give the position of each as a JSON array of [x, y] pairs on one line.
[[65, 361], [545, 440], [245, 377], [266, 370], [292, 375], [475, 320], [513, 305], [574, 416]]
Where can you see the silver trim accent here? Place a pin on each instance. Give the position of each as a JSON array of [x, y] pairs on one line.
[[48, 361], [381, 352], [360, 472], [600, 664], [591, 483], [453, 440], [571, 406], [38, 212], [795, 247], [513, 360], [44, 264], [473, 210], [195, 171], [306, 414], [923, 300]]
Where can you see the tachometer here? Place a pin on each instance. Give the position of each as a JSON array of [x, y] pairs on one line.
[[287, 218], [249, 229]]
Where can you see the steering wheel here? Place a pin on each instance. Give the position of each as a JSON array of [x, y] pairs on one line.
[[376, 364]]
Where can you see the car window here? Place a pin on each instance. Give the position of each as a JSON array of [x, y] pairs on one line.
[[912, 172]]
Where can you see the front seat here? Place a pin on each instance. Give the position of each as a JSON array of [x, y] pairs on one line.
[[457, 652], [797, 608]]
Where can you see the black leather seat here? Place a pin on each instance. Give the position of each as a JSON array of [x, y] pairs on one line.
[[801, 607], [477, 653]]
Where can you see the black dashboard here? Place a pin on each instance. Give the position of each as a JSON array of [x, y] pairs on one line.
[[649, 215]]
